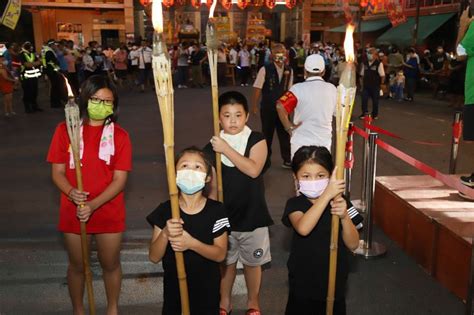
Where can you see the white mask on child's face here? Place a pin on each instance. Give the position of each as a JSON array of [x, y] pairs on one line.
[[313, 188], [190, 181]]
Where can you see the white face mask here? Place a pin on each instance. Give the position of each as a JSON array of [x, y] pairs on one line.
[[313, 188], [190, 181]]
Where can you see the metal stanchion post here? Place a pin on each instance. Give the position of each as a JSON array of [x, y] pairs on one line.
[[348, 170], [367, 247], [455, 143], [365, 155]]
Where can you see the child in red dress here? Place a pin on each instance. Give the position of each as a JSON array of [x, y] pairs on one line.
[[106, 160]]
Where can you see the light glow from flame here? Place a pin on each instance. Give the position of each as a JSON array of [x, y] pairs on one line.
[[349, 43], [213, 7], [69, 90], [157, 16]]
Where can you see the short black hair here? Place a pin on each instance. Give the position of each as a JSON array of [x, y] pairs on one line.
[[231, 98], [195, 150], [312, 154], [90, 87]]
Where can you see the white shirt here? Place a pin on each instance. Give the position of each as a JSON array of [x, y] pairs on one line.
[[144, 56], [233, 57], [315, 108], [260, 79], [133, 56], [244, 56]]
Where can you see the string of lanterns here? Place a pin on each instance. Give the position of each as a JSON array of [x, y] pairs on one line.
[[227, 4]]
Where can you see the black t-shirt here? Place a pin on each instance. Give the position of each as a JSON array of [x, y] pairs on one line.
[[197, 56], [439, 60], [244, 196], [308, 264], [203, 276]]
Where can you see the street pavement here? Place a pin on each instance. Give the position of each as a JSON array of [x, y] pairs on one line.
[[33, 262]]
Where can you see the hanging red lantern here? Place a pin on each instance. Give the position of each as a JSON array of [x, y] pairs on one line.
[[290, 4], [196, 3], [168, 3], [258, 3], [242, 4], [270, 4], [209, 3], [227, 4], [364, 3], [181, 2], [145, 3]]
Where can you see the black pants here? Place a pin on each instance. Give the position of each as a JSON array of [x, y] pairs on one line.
[[30, 94], [374, 94], [58, 93], [244, 75], [411, 86], [270, 122]]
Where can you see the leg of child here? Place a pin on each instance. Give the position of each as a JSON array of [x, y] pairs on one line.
[[253, 280], [75, 271], [227, 282], [108, 249]]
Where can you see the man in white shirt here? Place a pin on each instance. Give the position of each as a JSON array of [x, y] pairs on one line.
[[313, 103], [372, 75], [144, 65], [244, 62], [272, 81], [133, 57]]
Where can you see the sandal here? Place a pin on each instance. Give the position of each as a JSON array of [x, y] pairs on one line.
[[252, 311], [224, 312]]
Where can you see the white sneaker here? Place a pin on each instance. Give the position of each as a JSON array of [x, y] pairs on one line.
[[180, 86], [7, 114], [184, 86], [13, 113]]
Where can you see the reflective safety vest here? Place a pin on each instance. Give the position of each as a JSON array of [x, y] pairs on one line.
[[29, 73], [43, 58]]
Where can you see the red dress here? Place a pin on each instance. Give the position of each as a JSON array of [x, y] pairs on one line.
[[6, 87], [96, 176]]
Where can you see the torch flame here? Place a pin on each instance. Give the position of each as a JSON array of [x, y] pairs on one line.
[[349, 43], [69, 90], [157, 16], [213, 7]]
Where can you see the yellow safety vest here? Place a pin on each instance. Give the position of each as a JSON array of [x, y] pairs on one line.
[[29, 73], [43, 58]]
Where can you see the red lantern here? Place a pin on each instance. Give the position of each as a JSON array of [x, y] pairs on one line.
[[181, 2], [242, 4], [227, 4], [168, 3], [145, 3], [270, 4], [364, 3], [209, 3], [258, 3], [196, 3], [290, 4]]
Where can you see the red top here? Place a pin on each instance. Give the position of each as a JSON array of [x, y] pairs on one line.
[[96, 176]]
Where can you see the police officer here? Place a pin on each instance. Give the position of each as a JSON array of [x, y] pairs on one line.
[[272, 81], [312, 104], [51, 68], [29, 73]]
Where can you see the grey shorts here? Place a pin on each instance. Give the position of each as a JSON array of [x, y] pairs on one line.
[[251, 248]]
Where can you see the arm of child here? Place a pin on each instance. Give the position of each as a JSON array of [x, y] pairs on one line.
[[58, 174], [160, 237], [113, 189], [304, 223], [216, 252], [350, 236], [213, 185], [251, 166]]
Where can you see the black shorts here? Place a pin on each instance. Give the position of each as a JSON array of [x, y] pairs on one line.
[[468, 123]]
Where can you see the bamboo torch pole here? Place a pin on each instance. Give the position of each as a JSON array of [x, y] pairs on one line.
[[73, 123], [212, 47], [164, 91], [345, 100]]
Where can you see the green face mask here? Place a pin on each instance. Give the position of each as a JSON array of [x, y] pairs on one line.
[[98, 110]]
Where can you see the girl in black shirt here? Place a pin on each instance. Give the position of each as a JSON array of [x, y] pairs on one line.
[[310, 216], [201, 234]]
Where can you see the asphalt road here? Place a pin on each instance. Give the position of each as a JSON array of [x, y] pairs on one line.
[[33, 262]]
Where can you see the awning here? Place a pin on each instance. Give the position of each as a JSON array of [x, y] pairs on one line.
[[402, 35], [367, 26]]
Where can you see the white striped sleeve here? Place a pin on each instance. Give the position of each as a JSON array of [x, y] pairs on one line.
[[221, 224]]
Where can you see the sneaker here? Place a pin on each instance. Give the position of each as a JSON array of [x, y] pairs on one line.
[[13, 113], [180, 86], [463, 196], [362, 116], [7, 114], [242, 84], [468, 180], [286, 165], [375, 117]]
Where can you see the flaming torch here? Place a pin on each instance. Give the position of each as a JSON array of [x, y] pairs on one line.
[[212, 46], [73, 123], [346, 92], [164, 92]]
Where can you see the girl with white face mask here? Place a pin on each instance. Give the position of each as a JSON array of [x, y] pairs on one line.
[[309, 214], [201, 234]]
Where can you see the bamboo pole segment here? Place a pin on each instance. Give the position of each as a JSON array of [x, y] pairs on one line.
[[212, 47], [73, 123], [345, 100], [161, 64]]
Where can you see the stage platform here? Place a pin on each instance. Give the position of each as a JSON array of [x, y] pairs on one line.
[[432, 224]]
